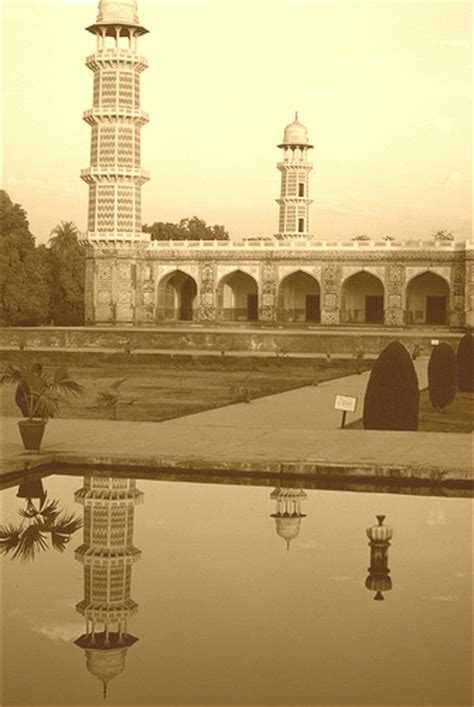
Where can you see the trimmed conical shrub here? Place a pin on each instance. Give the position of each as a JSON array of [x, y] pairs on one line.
[[442, 376], [465, 358], [392, 397]]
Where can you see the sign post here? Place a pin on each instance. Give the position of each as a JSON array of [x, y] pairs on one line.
[[345, 403]]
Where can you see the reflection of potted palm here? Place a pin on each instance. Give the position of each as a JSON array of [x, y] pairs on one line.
[[23, 540], [38, 396]]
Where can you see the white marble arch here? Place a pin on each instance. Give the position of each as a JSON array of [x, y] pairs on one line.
[[163, 273], [225, 270], [412, 271], [163, 270], [348, 271], [285, 270], [443, 271]]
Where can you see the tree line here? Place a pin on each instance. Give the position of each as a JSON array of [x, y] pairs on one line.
[[190, 229], [44, 284], [39, 284]]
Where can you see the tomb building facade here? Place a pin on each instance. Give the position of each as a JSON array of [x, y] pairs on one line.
[[291, 279]]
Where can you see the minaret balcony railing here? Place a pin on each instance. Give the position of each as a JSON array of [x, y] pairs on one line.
[[101, 611], [294, 165], [88, 554], [300, 200], [112, 57], [97, 115], [122, 239], [87, 496], [94, 174]]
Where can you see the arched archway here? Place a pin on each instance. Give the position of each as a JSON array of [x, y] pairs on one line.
[[299, 298], [427, 299], [237, 297], [363, 299], [176, 297]]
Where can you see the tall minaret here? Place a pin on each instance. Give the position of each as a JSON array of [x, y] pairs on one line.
[[107, 554], [294, 198], [115, 176]]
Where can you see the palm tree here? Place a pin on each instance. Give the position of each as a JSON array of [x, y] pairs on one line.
[[40, 394], [25, 539], [64, 238]]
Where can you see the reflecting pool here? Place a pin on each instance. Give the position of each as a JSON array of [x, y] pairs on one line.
[[123, 591]]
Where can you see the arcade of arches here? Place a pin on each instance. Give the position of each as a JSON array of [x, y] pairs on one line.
[[362, 299]]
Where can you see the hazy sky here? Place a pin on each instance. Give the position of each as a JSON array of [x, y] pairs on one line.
[[384, 89]]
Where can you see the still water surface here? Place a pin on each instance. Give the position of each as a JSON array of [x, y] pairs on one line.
[[212, 595]]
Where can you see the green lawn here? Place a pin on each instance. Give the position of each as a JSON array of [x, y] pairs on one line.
[[457, 417], [181, 385]]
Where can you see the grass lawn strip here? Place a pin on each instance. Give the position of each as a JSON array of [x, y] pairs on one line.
[[179, 387]]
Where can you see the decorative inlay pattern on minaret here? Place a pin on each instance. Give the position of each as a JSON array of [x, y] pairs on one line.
[[294, 198], [115, 176], [107, 554]]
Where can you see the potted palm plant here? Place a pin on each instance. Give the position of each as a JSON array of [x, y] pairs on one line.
[[38, 395], [38, 520]]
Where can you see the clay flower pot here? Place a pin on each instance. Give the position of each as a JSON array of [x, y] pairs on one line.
[[32, 432]]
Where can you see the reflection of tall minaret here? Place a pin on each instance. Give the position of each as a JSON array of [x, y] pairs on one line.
[[379, 580], [294, 198], [288, 512], [115, 176], [107, 555]]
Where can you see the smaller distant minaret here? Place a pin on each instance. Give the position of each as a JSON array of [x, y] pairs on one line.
[[294, 198], [288, 513], [379, 580]]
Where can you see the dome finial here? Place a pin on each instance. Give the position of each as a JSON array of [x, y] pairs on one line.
[[296, 115]]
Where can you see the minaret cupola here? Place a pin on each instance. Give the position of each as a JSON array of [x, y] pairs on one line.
[[288, 513], [121, 11], [294, 198]]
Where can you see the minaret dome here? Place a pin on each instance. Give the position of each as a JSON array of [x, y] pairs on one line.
[[295, 133]]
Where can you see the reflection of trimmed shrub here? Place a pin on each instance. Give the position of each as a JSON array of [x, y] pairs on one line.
[[442, 376], [392, 397], [465, 356]]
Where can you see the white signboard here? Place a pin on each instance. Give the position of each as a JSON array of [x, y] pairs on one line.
[[346, 403]]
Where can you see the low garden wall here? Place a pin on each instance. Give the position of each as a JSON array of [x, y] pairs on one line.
[[189, 339]]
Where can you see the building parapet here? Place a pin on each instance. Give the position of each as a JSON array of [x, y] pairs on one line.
[[303, 244]]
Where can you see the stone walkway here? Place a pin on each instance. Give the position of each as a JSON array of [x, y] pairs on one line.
[[296, 431]]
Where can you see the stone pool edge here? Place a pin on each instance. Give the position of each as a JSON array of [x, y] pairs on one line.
[[406, 474]]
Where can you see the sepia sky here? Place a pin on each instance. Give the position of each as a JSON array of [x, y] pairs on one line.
[[384, 89]]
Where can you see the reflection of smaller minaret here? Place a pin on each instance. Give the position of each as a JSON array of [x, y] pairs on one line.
[[379, 580], [107, 554], [288, 512]]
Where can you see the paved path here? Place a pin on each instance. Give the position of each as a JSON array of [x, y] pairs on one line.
[[292, 431]]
